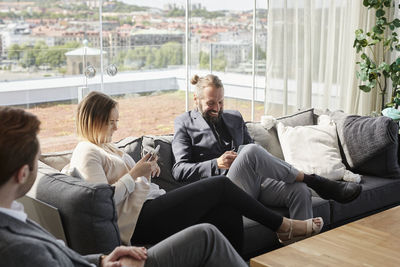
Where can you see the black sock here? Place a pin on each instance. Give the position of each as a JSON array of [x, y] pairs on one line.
[[322, 186], [342, 192]]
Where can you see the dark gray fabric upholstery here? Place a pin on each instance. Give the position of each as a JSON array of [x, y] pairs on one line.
[[301, 118], [368, 136], [165, 160], [384, 164], [377, 193], [132, 146], [87, 211], [369, 145]]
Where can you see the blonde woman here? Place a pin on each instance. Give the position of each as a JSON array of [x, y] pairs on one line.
[[146, 213]]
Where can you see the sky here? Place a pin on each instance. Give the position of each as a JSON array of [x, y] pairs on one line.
[[210, 5]]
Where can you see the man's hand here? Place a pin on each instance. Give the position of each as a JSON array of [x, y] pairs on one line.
[[125, 256], [225, 160]]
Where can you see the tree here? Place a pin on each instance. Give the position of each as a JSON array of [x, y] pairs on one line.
[[28, 58], [176, 12], [204, 60], [219, 63], [260, 53], [172, 53], [14, 52]]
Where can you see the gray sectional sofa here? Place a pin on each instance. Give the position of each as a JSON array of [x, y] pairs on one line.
[[89, 218]]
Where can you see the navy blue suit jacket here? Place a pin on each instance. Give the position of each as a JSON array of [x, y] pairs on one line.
[[195, 147]]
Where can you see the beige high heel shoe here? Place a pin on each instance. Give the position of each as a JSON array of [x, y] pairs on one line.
[[287, 238]]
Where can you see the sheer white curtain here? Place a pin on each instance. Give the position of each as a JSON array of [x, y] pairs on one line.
[[311, 61]]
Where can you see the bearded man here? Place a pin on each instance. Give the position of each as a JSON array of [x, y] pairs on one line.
[[207, 142]]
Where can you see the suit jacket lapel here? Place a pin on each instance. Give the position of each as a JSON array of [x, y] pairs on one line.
[[205, 128], [199, 121], [231, 126]]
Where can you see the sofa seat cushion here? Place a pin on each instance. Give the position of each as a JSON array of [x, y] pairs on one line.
[[377, 193], [259, 239], [87, 210]]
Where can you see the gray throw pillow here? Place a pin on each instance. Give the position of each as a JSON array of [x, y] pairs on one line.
[[132, 146], [165, 160], [370, 144], [87, 211], [268, 138]]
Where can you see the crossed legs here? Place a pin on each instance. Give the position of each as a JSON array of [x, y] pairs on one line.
[[271, 181], [275, 182]]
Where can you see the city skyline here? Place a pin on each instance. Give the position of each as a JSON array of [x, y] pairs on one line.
[[210, 5]]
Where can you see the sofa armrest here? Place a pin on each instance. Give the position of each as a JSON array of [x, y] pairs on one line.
[[87, 210]]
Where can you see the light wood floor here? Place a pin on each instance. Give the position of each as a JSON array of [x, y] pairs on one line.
[[371, 241]]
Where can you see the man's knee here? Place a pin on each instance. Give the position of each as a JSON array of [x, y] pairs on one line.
[[250, 149], [254, 152], [206, 230]]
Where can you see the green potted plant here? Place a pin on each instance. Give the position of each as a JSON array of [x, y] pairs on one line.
[[376, 70]]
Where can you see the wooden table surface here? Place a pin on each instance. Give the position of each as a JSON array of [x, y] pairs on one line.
[[371, 241]]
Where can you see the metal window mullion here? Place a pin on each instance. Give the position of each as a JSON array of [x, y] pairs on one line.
[[101, 43], [285, 65], [187, 55], [253, 86]]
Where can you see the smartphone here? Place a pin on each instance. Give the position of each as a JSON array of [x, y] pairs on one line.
[[154, 153]]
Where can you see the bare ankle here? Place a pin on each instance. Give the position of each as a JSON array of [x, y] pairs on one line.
[[285, 226]]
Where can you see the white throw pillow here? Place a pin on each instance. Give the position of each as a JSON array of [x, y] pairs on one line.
[[314, 149]]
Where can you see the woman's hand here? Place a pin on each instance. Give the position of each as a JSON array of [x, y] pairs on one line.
[[145, 168]]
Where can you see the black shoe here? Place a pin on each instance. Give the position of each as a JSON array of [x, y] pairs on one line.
[[342, 192]]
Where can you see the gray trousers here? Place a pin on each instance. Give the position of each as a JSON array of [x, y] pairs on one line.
[[199, 245], [271, 181]]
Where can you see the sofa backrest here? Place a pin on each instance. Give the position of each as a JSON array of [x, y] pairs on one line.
[[165, 160], [268, 137], [87, 210]]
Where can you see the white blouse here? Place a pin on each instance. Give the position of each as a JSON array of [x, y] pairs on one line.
[[97, 165]]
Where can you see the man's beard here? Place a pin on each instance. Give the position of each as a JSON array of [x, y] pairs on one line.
[[207, 115]]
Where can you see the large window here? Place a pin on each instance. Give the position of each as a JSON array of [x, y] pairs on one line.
[[52, 54]]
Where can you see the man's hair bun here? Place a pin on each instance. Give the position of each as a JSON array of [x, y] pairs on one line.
[[195, 79]]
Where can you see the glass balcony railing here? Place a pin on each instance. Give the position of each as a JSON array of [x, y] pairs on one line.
[[50, 56]]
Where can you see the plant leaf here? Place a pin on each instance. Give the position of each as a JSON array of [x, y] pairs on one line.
[[396, 23], [376, 29], [380, 12], [365, 88]]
